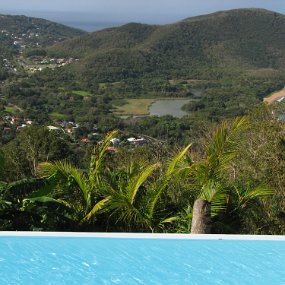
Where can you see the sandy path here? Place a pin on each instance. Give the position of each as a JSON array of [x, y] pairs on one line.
[[274, 96]]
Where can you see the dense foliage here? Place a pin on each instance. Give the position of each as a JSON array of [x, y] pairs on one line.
[[146, 188]]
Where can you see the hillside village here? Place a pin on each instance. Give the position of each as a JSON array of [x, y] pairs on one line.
[[22, 40], [35, 64], [11, 125], [19, 34], [38, 63], [27, 32]]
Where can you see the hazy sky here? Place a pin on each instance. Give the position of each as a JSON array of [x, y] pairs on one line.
[[132, 10]]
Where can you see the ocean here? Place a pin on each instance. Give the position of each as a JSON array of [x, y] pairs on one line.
[[90, 26]]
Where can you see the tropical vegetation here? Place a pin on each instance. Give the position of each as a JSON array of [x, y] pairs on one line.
[[219, 169], [141, 195]]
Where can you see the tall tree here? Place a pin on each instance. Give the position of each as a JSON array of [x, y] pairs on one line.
[[32, 145], [73, 187], [213, 174]]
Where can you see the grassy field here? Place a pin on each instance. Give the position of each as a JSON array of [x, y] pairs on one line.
[[11, 110], [55, 115], [81, 93], [134, 107]]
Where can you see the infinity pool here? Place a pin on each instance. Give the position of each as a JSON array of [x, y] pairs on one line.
[[138, 259]]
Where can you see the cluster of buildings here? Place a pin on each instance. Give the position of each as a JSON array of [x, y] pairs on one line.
[[17, 123], [13, 123], [22, 40], [95, 136], [7, 65], [58, 61], [137, 141], [64, 127], [31, 38], [38, 63]]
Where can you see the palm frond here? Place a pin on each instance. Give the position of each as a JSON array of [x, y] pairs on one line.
[[120, 208], [97, 157], [137, 181], [63, 174], [185, 220], [175, 161], [221, 150], [23, 188], [4, 205], [98, 207], [249, 194], [216, 195], [219, 203], [153, 197], [3, 186], [169, 220], [209, 191], [125, 212], [46, 200], [238, 126], [176, 168]]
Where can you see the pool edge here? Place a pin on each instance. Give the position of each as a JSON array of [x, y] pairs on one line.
[[140, 235]]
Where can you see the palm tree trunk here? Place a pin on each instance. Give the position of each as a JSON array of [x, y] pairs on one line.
[[201, 218]]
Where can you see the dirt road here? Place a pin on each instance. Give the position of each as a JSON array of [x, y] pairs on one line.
[[274, 96]]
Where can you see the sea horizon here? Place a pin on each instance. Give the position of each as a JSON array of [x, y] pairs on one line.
[[90, 26], [91, 22]]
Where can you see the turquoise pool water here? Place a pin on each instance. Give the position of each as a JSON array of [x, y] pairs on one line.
[[95, 260]]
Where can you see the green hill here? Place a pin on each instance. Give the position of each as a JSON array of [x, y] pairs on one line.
[[20, 32], [193, 48]]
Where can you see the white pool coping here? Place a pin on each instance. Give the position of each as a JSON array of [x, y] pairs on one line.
[[141, 235]]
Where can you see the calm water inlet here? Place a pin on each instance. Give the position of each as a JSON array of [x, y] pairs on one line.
[[168, 107], [76, 260]]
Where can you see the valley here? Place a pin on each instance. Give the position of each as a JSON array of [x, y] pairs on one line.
[[102, 77]]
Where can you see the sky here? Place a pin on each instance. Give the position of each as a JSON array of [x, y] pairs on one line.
[[122, 11]]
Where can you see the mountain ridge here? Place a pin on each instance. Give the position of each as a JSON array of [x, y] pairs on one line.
[[234, 35]]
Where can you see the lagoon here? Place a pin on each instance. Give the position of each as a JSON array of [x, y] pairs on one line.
[[171, 107]]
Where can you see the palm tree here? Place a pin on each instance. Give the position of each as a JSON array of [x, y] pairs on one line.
[[126, 191], [73, 188], [212, 175], [136, 201], [245, 203], [135, 198], [131, 197]]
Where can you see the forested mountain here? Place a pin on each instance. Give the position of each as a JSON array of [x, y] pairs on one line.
[[203, 47], [20, 32]]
